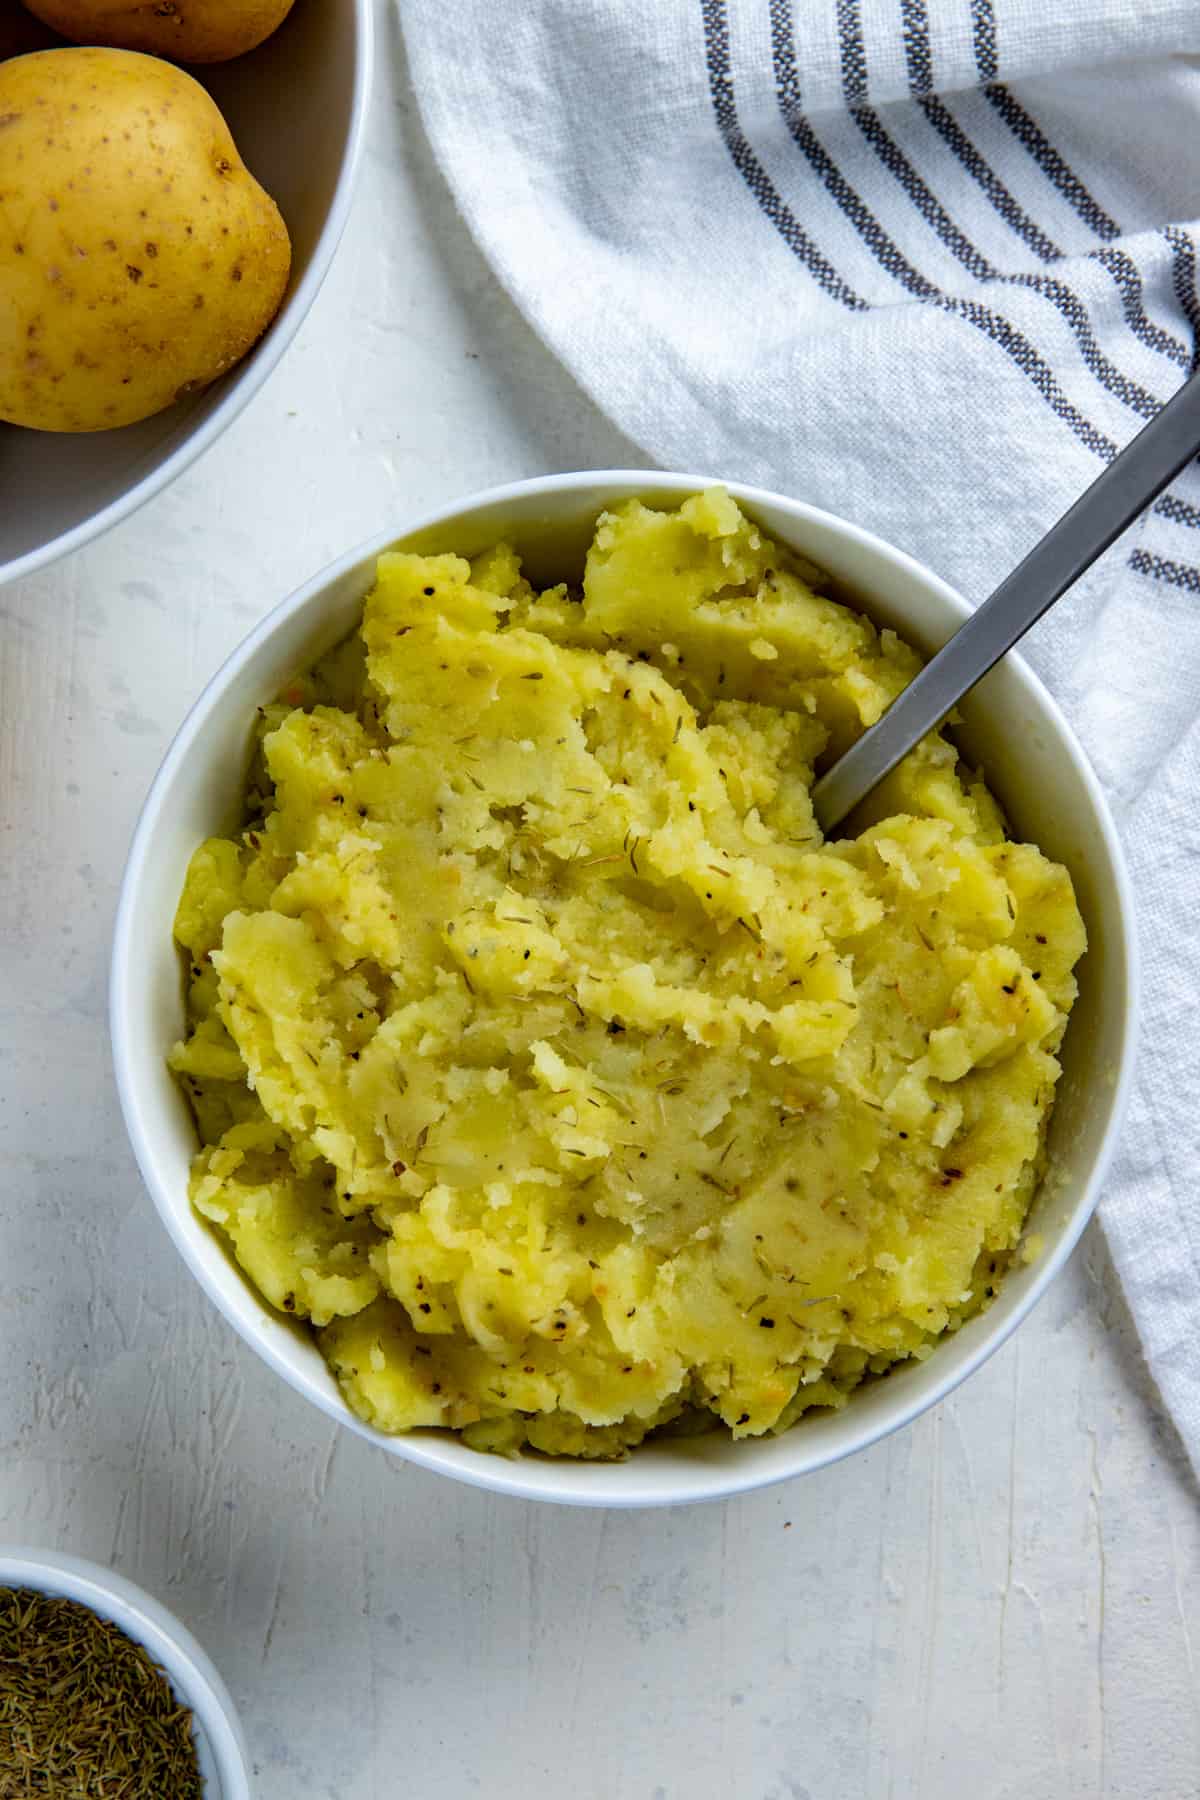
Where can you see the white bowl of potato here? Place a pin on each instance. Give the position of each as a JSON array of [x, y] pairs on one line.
[[1011, 730], [154, 279]]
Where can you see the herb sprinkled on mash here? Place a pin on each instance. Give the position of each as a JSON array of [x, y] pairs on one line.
[[547, 1060]]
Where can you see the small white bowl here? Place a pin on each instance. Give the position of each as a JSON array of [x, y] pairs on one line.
[[220, 1746], [1012, 727], [297, 107]]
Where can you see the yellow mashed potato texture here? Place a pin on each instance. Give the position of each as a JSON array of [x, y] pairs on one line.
[[545, 1057]]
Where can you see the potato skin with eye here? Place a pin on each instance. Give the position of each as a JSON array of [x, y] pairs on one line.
[[139, 258], [189, 31]]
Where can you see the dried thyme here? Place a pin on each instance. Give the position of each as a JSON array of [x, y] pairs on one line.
[[84, 1711]]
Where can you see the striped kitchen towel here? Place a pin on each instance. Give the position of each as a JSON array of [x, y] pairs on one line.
[[927, 263]]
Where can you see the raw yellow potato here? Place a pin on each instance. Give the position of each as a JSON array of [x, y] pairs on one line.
[[139, 258], [546, 1058], [190, 31]]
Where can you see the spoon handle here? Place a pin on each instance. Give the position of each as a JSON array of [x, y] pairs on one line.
[[1123, 490]]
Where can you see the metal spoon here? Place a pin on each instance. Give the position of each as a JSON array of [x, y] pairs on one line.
[[1127, 486]]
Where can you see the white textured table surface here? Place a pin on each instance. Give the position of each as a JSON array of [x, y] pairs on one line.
[[1004, 1600]]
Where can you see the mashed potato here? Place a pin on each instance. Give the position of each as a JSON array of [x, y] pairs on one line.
[[547, 1060]]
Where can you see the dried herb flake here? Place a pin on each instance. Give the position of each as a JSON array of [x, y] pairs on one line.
[[84, 1710]]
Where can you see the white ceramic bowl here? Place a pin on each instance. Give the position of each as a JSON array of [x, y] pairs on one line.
[[220, 1746], [297, 107], [1011, 726]]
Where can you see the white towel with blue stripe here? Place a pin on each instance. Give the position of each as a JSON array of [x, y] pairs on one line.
[[929, 264]]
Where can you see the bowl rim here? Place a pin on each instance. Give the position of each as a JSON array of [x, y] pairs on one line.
[[247, 381], [140, 1616], [561, 1481]]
